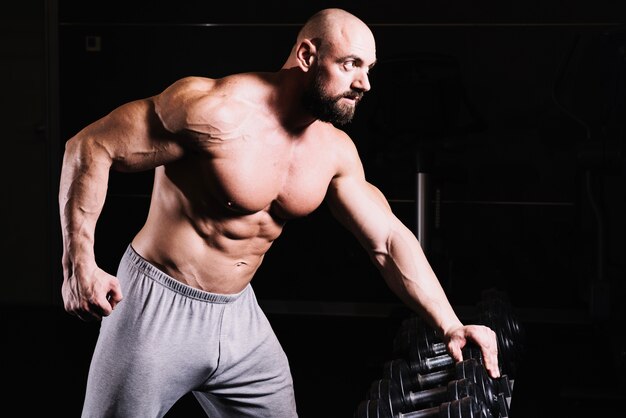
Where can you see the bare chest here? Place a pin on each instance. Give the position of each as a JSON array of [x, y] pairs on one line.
[[249, 175]]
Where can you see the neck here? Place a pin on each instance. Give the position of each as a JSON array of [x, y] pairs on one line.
[[288, 100]]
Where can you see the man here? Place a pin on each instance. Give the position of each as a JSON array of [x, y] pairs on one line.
[[234, 159]]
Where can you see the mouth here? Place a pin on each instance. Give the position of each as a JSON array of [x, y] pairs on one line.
[[353, 97]]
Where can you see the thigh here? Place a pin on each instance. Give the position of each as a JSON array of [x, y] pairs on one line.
[[253, 378], [156, 346]]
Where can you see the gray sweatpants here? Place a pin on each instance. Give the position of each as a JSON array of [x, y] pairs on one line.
[[166, 339]]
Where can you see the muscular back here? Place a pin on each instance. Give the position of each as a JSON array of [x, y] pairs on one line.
[[215, 212]]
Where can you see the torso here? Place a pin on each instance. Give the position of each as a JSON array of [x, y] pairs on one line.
[[215, 213]]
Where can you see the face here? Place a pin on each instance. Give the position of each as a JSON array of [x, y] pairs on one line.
[[337, 85], [334, 108]]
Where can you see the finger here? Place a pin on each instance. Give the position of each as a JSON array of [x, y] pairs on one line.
[[492, 367], [114, 296], [99, 307], [104, 303], [489, 349], [455, 351]]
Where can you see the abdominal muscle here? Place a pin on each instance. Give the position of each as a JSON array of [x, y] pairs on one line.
[[214, 214], [215, 255]]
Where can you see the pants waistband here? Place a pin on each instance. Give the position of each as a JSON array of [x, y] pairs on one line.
[[138, 262]]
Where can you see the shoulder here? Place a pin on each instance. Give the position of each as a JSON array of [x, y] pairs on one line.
[[242, 86], [198, 101], [342, 149], [187, 84], [193, 85]]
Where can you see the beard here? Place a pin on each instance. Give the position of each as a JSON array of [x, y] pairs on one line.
[[325, 107]]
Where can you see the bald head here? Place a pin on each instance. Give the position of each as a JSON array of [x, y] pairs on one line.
[[332, 26], [329, 23]]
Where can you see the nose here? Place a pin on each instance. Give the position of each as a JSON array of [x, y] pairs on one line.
[[362, 82]]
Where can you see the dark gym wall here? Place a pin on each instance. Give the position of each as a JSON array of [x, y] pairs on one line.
[[26, 207]]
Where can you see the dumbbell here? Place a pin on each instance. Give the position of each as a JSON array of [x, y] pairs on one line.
[[494, 304], [400, 371], [408, 371], [422, 346], [419, 363], [463, 408], [388, 391], [496, 393], [414, 330]]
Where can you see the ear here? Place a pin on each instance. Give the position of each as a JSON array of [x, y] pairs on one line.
[[306, 53]]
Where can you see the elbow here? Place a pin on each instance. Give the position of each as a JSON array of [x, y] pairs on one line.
[[377, 243], [84, 151], [379, 260], [73, 150], [71, 145], [379, 254]]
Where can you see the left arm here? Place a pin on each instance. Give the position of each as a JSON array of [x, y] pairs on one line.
[[394, 249]]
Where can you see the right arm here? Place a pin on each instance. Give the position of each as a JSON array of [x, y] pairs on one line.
[[130, 138]]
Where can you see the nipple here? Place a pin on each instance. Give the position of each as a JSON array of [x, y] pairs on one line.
[[234, 206]]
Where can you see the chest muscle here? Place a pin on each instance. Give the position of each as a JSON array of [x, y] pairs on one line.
[[250, 178]]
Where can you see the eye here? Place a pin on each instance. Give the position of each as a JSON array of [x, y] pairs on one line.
[[349, 65]]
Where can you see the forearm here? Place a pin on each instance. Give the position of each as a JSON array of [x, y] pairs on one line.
[[82, 192], [409, 274], [363, 209]]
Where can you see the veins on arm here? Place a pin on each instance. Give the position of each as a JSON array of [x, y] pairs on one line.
[[393, 248], [204, 111], [132, 138]]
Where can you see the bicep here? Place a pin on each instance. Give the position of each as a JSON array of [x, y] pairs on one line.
[[357, 204], [131, 138], [363, 210]]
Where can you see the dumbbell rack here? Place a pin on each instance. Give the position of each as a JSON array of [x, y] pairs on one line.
[[423, 380]]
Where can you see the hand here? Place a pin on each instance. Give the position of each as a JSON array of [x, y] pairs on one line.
[[483, 336], [91, 296]]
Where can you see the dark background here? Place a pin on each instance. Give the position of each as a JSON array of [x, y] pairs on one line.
[[515, 112]]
